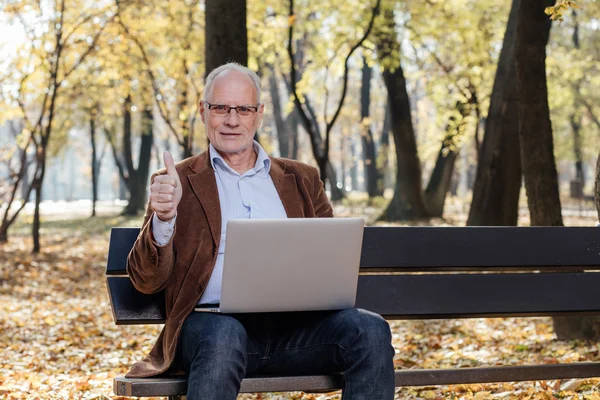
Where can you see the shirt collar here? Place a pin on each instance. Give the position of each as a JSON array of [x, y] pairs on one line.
[[262, 159]]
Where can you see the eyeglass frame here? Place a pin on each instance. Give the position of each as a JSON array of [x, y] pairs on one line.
[[229, 108]]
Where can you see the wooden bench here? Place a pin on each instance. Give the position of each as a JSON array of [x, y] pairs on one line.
[[423, 273]]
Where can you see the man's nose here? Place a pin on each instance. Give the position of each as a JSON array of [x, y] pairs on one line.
[[233, 118]]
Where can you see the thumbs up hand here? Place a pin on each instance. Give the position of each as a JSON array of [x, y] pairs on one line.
[[165, 191]]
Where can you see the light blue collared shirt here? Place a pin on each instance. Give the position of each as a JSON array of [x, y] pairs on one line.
[[251, 195]]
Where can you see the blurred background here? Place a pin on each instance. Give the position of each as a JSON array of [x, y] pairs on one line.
[[414, 108], [432, 112]]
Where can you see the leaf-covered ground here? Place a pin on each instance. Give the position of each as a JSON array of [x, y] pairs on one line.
[[58, 339]]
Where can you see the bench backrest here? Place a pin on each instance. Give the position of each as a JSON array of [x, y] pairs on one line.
[[495, 271]]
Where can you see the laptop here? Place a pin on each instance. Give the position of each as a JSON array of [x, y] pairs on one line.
[[296, 264]]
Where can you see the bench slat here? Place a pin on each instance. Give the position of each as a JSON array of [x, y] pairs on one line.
[[414, 377], [177, 386], [442, 248], [131, 307], [446, 248], [423, 296], [479, 295], [121, 243]]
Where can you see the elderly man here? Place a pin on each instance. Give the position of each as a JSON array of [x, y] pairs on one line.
[[180, 249]]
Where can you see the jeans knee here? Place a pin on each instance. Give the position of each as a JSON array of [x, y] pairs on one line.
[[366, 329], [374, 330], [218, 338]]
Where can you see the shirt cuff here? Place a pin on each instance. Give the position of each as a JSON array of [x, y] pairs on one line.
[[161, 230]]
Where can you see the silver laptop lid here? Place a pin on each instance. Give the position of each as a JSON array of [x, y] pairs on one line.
[[296, 264]]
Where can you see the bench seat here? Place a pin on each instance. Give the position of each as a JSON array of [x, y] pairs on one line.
[[423, 273], [176, 386]]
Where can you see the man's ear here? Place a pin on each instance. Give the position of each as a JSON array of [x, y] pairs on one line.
[[202, 110], [261, 110]]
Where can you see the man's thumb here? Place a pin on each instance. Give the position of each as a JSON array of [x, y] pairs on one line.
[[169, 164]]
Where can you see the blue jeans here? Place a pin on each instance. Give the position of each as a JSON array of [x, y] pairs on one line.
[[219, 350]]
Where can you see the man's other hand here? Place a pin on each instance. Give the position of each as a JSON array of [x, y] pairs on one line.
[[165, 191]]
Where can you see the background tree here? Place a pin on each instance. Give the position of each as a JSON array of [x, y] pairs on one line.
[[373, 174], [60, 37], [597, 187], [321, 150], [226, 33], [455, 72], [407, 202], [171, 56], [17, 162], [498, 180], [535, 128]]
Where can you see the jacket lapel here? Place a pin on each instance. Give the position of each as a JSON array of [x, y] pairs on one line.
[[286, 186], [204, 185]]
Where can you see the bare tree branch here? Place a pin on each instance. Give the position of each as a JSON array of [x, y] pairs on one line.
[[587, 106], [113, 146], [162, 107], [330, 124], [89, 49]]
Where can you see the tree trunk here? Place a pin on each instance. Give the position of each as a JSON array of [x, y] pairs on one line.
[[226, 33], [25, 182], [577, 151], [498, 178], [292, 121], [184, 119], [37, 187], [354, 165], [535, 134], [407, 202], [138, 178], [137, 198], [597, 187], [21, 178], [130, 178], [94, 161], [35, 227], [576, 125], [383, 159], [535, 128], [283, 133], [342, 169], [337, 193], [441, 176], [370, 158], [3, 232]]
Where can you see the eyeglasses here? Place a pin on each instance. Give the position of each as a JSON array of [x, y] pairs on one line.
[[223, 110]]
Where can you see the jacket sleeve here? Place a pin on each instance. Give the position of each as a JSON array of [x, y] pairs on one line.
[[321, 203], [149, 265]]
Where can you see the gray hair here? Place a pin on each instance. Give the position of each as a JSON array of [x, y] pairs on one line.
[[210, 79]]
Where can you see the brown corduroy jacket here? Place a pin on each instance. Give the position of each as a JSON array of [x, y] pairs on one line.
[[183, 266]]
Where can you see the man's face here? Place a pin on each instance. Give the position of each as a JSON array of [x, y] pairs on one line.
[[231, 133]]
